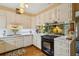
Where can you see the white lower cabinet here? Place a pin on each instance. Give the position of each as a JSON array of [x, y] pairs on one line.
[[64, 47], [10, 40], [10, 43], [37, 40], [27, 40], [19, 42]]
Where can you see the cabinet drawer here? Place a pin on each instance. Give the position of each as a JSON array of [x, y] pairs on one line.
[[62, 44]]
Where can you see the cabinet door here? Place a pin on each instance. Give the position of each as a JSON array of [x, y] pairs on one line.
[[27, 40], [35, 39], [19, 42], [11, 17], [9, 43], [64, 13], [39, 41], [3, 21], [61, 46]]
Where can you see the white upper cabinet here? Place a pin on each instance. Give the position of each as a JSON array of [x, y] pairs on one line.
[[3, 20], [37, 20], [10, 17], [64, 12], [60, 13], [53, 15]]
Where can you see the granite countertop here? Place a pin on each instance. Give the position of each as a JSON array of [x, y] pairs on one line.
[[17, 35]]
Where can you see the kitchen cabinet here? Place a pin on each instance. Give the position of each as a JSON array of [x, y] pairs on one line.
[[3, 20], [37, 20], [64, 47], [27, 40], [10, 40], [58, 13], [64, 13], [37, 40], [53, 15], [11, 17], [15, 41], [33, 22], [19, 42], [7, 42]]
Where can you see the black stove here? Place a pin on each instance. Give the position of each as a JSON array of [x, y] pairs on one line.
[[48, 44]]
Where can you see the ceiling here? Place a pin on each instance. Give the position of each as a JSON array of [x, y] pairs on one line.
[[32, 7]]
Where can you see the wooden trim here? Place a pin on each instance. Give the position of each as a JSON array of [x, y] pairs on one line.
[[75, 7], [73, 48]]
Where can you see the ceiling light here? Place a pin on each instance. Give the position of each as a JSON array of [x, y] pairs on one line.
[[19, 10], [26, 5]]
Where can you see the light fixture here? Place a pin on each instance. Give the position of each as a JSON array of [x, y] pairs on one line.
[[26, 5], [20, 9]]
